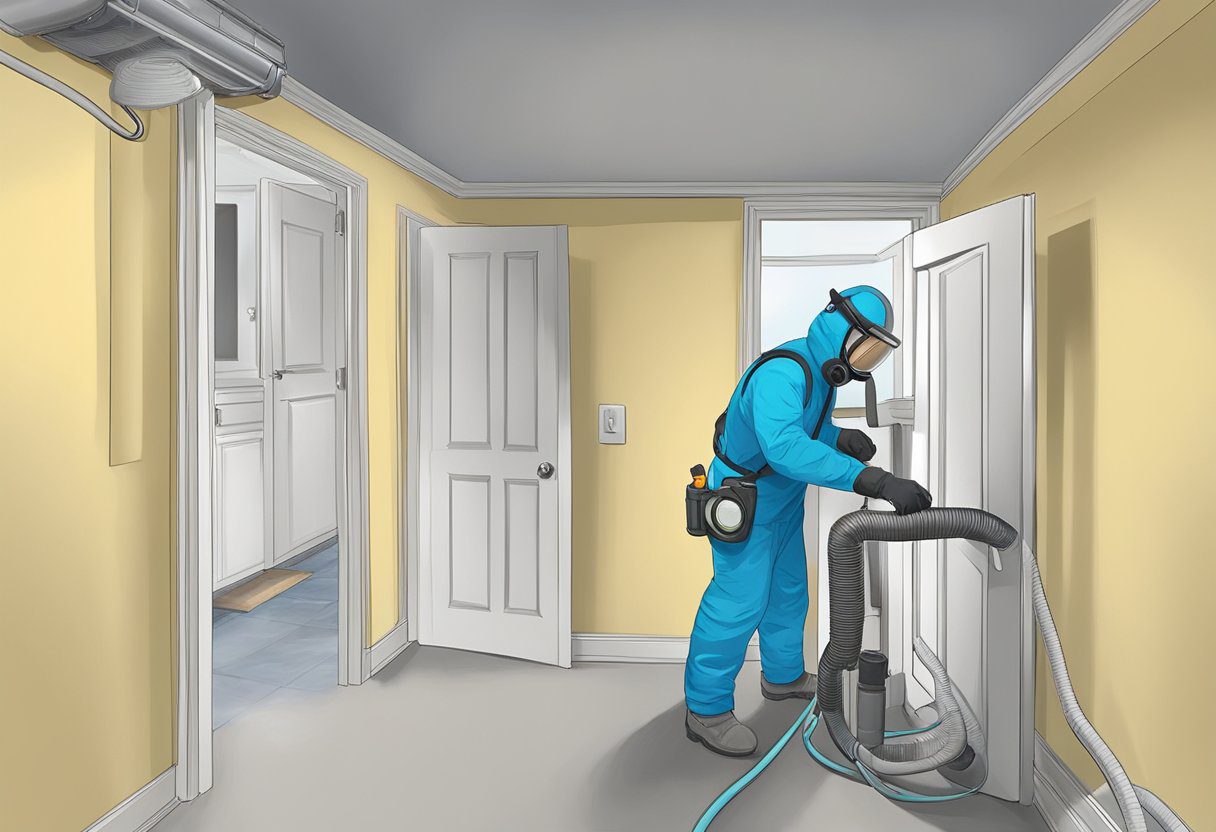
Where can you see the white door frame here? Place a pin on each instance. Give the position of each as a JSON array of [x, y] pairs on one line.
[[409, 376], [198, 122]]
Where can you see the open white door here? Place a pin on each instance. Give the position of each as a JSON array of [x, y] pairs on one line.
[[301, 253], [494, 564], [973, 444], [961, 421]]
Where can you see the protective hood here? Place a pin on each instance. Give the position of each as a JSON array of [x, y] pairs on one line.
[[827, 332]]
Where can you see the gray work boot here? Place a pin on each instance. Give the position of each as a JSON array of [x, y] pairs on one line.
[[801, 688], [721, 734]]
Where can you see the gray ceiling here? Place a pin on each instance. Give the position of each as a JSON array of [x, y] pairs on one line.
[[679, 90]]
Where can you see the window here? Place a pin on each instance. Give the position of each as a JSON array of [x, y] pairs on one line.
[[801, 260], [227, 290]]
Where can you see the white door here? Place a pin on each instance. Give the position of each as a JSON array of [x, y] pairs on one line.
[[494, 568], [301, 254], [972, 444]]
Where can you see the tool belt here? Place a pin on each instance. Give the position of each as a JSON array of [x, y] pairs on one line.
[[726, 513]]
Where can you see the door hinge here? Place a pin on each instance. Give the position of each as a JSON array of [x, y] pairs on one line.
[[340, 223], [340, 378]]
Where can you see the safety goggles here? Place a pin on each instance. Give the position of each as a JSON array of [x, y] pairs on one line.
[[867, 344]]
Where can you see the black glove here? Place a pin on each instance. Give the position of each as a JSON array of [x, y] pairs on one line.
[[906, 495], [856, 444]]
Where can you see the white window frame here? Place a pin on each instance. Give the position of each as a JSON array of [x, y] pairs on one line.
[[921, 210]]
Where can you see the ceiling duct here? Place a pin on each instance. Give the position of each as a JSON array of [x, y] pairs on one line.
[[160, 52]]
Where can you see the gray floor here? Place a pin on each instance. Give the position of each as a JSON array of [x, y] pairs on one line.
[[290, 641], [447, 740]]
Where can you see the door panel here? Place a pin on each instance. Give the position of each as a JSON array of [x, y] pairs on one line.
[[522, 351], [467, 380], [468, 513], [302, 268], [307, 432], [239, 479], [306, 318], [523, 554], [494, 571]]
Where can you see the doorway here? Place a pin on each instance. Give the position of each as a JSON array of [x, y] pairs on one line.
[[272, 415], [276, 307], [953, 410]]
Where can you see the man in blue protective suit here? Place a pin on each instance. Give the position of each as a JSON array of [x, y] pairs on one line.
[[782, 435]]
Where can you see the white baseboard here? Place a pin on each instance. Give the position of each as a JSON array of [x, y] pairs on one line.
[[144, 809], [613, 647], [385, 650], [1062, 799]]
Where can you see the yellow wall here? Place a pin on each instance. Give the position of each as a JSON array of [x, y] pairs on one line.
[[388, 186], [86, 619], [654, 290], [1123, 164]]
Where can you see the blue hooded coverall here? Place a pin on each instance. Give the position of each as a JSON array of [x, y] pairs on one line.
[[761, 581]]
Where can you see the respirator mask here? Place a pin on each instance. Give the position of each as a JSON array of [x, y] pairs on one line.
[[866, 343]]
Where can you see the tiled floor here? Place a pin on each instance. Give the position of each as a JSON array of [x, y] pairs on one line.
[[291, 641]]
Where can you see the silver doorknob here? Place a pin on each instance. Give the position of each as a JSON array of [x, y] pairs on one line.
[[277, 375], [544, 470]]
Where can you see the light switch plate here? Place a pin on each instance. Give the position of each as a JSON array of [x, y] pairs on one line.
[[612, 424]]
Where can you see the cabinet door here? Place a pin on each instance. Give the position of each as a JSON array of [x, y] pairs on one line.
[[240, 482]]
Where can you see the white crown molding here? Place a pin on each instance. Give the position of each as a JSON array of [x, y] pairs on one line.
[[142, 810], [325, 110], [1079, 57], [608, 190], [322, 108], [613, 647]]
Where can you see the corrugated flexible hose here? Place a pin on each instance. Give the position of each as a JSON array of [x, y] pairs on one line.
[[846, 585], [1133, 800], [846, 573], [846, 580]]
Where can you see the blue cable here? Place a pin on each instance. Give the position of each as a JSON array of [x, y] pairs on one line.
[[739, 785], [911, 731], [886, 790], [819, 756]]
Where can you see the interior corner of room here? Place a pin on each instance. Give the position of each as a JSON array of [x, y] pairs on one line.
[[292, 409]]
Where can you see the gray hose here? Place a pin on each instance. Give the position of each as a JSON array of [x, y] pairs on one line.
[[1161, 813], [76, 97], [1132, 799], [846, 584], [930, 750], [846, 573], [974, 775]]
